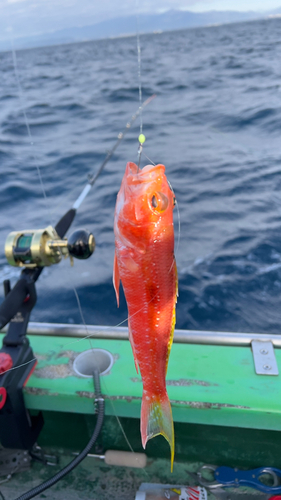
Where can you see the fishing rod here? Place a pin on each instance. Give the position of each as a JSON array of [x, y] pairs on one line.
[[32, 250], [92, 178]]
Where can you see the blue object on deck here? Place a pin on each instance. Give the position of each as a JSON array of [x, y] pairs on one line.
[[227, 476]]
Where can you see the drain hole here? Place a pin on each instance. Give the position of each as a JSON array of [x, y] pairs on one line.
[[87, 361]]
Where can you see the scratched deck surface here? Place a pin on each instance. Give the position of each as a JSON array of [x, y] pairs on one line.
[[95, 480], [65, 433], [215, 385]]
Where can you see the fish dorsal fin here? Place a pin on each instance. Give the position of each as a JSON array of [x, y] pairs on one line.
[[116, 278]]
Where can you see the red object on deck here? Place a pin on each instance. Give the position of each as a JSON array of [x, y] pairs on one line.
[[3, 397], [6, 362]]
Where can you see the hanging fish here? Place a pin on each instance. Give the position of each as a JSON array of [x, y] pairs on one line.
[[145, 263]]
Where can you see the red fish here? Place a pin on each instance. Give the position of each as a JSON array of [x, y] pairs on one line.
[[145, 263]]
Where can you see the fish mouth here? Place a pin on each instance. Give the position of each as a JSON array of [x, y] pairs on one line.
[[136, 175]]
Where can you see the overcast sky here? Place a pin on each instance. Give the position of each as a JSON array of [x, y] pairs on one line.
[[26, 17]]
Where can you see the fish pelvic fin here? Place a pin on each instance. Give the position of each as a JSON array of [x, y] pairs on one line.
[[156, 418], [116, 278]]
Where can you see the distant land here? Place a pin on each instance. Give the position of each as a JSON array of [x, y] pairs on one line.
[[125, 26]]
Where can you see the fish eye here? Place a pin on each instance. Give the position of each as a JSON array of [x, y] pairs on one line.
[[159, 202], [174, 201], [154, 202]]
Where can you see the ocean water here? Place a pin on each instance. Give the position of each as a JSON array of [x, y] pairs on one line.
[[216, 126]]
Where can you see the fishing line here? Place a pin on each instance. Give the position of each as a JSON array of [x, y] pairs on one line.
[[21, 97], [152, 162], [116, 326], [19, 366], [88, 336], [80, 310], [96, 333], [121, 426], [139, 65], [141, 136], [91, 177], [103, 382], [179, 226]]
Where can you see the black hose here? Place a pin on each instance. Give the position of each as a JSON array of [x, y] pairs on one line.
[[50, 482]]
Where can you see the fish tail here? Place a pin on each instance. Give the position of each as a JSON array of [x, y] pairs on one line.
[[156, 418]]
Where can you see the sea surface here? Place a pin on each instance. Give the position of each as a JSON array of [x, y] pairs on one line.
[[216, 126]]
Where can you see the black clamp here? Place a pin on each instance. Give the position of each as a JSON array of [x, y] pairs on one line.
[[18, 429]]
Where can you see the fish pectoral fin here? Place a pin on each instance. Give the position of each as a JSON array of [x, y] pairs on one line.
[[133, 346], [130, 264], [116, 278], [156, 418]]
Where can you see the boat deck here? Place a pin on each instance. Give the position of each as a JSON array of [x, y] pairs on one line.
[[224, 413], [95, 480]]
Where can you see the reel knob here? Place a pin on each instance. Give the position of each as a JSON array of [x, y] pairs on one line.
[[81, 244]]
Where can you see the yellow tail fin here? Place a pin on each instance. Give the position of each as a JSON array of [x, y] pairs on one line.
[[156, 418]]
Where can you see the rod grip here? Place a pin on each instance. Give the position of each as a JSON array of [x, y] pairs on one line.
[[125, 459], [65, 222], [13, 301]]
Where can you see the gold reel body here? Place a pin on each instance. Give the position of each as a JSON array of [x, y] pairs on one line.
[[41, 247]]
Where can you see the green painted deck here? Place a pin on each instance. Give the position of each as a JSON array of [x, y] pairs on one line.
[[207, 384]]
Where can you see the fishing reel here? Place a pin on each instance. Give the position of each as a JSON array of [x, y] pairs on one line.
[[44, 247]]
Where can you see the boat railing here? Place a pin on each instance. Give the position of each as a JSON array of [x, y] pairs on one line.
[[180, 336]]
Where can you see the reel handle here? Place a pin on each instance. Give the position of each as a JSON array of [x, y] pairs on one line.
[[81, 244]]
